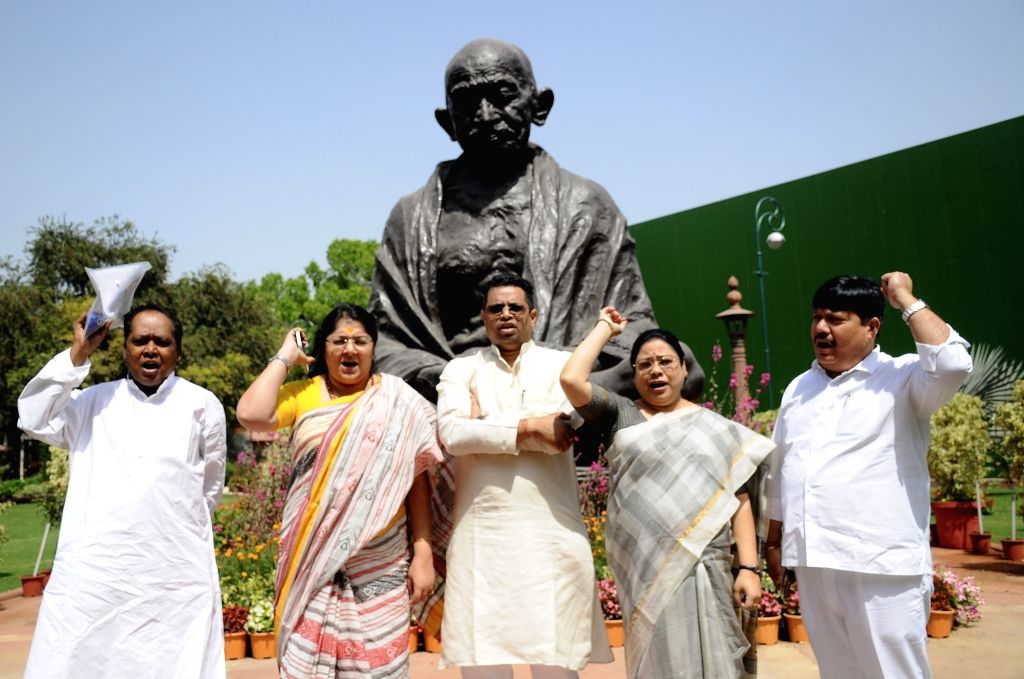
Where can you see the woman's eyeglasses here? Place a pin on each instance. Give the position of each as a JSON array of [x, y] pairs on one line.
[[360, 342], [666, 363]]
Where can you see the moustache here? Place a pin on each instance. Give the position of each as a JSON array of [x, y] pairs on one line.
[[824, 341]]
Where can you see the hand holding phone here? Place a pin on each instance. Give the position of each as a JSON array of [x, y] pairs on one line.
[[300, 340]]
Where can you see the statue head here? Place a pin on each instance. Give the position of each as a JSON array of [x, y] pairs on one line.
[[492, 98]]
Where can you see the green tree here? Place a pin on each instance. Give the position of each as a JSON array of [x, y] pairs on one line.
[[306, 299], [229, 333]]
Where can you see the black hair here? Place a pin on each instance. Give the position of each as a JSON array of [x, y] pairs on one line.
[[859, 294], [352, 312], [502, 279], [159, 308]]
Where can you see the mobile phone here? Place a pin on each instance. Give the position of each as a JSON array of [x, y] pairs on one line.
[[300, 339]]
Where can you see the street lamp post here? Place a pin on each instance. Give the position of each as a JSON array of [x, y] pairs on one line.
[[767, 212], [735, 318]]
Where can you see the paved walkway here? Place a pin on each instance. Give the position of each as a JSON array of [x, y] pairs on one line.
[[991, 649]]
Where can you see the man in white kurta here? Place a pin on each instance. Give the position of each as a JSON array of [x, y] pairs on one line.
[[520, 581], [134, 591], [850, 485]]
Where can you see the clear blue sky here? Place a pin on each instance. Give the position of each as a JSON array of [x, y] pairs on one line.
[[253, 133]]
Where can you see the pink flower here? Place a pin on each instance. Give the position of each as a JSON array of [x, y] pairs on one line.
[[716, 352], [765, 377], [732, 381], [748, 370]]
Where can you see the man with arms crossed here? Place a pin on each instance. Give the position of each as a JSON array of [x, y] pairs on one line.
[[848, 493], [520, 582]]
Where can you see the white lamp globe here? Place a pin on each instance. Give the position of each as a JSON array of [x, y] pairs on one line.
[[775, 240]]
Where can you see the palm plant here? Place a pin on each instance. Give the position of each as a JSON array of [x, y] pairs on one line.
[[993, 376]]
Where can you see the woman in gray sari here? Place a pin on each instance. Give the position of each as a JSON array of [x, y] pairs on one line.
[[677, 502]]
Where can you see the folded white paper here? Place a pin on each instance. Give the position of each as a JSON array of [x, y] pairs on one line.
[[115, 288]]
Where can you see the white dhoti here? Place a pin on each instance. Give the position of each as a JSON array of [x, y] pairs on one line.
[[864, 625]]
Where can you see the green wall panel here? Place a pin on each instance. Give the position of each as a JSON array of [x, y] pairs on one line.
[[950, 213]]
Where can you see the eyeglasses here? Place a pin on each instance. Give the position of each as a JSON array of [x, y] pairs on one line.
[[666, 363], [514, 308], [360, 342]]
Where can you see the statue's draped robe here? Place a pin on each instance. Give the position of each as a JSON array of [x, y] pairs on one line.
[[579, 257]]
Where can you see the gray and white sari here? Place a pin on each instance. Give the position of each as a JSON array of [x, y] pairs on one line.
[[674, 480]]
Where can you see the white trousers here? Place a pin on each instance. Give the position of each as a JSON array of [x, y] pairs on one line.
[[505, 672], [866, 626]]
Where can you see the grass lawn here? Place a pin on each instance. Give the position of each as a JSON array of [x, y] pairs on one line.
[[24, 524], [998, 523]]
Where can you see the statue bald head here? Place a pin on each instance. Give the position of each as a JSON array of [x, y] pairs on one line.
[[492, 98]]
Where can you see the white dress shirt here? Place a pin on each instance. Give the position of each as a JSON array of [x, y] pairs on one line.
[[134, 590], [520, 582], [850, 478]]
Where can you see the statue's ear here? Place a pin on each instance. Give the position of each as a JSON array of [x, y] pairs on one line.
[[445, 121], [545, 100]]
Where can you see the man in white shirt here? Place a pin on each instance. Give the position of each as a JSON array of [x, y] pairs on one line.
[[520, 581], [134, 590], [848, 493]]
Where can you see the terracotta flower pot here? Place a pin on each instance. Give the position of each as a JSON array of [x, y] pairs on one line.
[[263, 644], [980, 543], [1012, 550], [234, 645], [431, 644], [940, 624], [616, 633], [414, 639], [954, 521], [46, 577], [796, 629], [767, 632], [32, 585]]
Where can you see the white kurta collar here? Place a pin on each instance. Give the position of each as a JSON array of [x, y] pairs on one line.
[[868, 364], [496, 355], [161, 391]]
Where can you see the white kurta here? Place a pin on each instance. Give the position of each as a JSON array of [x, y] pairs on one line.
[[520, 583], [134, 591], [857, 441]]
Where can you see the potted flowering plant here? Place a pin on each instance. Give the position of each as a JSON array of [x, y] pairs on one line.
[[955, 602], [769, 614], [608, 595], [235, 618], [794, 621], [260, 627]]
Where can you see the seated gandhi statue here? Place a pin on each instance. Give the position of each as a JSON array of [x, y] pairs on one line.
[[504, 204]]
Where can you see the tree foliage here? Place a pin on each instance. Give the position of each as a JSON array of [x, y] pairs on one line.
[[1010, 419], [304, 300]]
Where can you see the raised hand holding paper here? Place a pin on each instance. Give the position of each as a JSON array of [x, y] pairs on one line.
[[115, 288]]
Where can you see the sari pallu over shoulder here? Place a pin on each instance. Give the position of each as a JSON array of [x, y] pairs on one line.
[[355, 460], [674, 480]]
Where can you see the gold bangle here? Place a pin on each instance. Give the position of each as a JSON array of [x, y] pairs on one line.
[[605, 320], [426, 540]]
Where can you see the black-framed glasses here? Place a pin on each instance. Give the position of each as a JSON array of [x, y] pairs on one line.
[[514, 308], [666, 363]]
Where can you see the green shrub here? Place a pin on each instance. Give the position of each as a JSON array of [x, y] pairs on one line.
[[12, 490], [1010, 418], [57, 472], [959, 447]]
